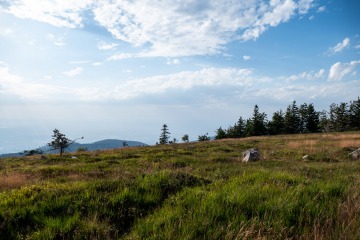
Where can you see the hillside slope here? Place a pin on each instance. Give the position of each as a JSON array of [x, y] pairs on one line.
[[188, 191], [99, 145]]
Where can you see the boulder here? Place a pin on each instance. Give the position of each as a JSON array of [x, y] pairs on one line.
[[355, 154], [251, 155]]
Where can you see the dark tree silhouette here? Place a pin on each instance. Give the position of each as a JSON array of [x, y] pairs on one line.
[[185, 138], [60, 141], [165, 135]]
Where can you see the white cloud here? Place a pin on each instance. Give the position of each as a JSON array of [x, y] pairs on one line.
[[306, 76], [331, 91], [246, 58], [107, 46], [74, 72], [321, 9], [57, 12], [121, 56], [97, 63], [207, 77], [339, 70], [6, 32], [209, 83], [79, 62], [357, 46], [11, 84], [340, 46], [58, 41], [167, 28], [173, 61]]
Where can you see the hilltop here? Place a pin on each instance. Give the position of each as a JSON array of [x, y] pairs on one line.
[[188, 191], [98, 145]]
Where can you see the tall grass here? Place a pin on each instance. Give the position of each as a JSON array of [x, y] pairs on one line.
[[188, 191]]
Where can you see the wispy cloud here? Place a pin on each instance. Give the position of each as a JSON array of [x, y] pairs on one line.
[[306, 76], [14, 85], [74, 72], [339, 47], [167, 28], [173, 61], [339, 70], [210, 83], [97, 64], [106, 46], [58, 13], [321, 9], [58, 41], [6, 32], [246, 58]]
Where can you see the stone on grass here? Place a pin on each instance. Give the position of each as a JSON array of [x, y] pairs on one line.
[[355, 154], [251, 155]]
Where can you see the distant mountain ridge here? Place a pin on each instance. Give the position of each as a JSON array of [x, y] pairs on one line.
[[99, 145]]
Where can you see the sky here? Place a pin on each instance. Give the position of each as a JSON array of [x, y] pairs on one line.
[[122, 68]]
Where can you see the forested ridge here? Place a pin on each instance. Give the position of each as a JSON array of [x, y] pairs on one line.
[[296, 119]]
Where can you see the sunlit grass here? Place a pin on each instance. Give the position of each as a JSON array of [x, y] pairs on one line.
[[188, 191]]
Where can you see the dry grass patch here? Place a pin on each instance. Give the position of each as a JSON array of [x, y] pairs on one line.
[[13, 180]]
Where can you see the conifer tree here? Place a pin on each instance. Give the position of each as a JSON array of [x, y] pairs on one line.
[[258, 120], [220, 134], [276, 125], [313, 119], [355, 114], [240, 128], [303, 113], [292, 119], [60, 141], [165, 135]]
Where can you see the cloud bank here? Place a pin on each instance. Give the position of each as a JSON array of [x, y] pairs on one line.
[[209, 82], [166, 28]]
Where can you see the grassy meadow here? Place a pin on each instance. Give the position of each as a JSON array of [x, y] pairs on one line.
[[188, 191]]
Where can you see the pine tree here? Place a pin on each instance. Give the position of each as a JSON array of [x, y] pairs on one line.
[[165, 135], [339, 117], [60, 141], [258, 123], [355, 114], [313, 119], [239, 128], [220, 134], [303, 113], [276, 125], [292, 119]]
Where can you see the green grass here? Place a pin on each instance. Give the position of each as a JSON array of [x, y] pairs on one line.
[[188, 191]]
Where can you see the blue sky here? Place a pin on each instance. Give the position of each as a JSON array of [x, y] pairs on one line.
[[120, 69]]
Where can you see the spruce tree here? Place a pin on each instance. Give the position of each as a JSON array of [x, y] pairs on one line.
[[355, 114], [313, 119], [220, 134], [292, 119], [276, 125], [240, 128], [303, 113], [258, 123], [165, 135]]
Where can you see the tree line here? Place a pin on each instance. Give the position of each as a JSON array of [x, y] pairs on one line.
[[296, 119]]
